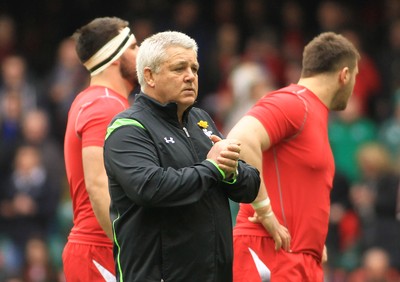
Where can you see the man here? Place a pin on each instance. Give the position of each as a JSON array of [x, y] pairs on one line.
[[285, 136], [169, 183], [108, 50]]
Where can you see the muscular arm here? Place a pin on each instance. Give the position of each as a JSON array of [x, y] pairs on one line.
[[97, 186], [254, 139]]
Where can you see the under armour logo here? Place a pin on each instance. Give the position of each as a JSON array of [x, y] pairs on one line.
[[170, 140]]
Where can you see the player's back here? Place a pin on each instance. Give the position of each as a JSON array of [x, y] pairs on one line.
[[88, 119]]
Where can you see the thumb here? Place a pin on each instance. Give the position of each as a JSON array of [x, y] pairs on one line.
[[215, 138]]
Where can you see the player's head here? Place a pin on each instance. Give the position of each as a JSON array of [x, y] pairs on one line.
[[102, 41], [334, 58], [328, 52]]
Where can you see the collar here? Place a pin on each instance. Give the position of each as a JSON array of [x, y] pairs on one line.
[[166, 111]]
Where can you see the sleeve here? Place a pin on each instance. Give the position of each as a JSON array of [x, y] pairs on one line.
[[131, 160], [93, 119], [245, 188], [282, 115]]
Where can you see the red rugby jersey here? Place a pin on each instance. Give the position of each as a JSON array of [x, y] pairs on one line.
[[298, 169], [88, 118]]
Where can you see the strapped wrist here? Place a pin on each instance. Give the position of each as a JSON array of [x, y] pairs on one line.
[[217, 166], [266, 215], [261, 204]]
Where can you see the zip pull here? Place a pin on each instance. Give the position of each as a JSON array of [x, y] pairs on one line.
[[186, 132]]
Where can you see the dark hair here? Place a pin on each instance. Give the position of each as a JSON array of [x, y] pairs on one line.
[[94, 35], [328, 52]]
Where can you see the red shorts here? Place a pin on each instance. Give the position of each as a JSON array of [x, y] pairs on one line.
[[88, 263], [256, 260]]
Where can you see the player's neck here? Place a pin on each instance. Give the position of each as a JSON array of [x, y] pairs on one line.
[[321, 86], [116, 83]]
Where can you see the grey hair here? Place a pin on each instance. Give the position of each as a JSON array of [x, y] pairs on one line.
[[152, 51]]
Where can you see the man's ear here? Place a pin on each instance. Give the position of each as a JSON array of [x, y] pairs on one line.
[[344, 76], [148, 77]]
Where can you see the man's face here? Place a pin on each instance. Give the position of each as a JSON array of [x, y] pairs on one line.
[[177, 79], [127, 66], [341, 98]]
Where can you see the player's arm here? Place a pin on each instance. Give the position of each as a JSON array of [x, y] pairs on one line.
[[254, 139], [96, 182]]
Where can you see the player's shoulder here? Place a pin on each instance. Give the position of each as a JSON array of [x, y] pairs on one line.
[[283, 97]]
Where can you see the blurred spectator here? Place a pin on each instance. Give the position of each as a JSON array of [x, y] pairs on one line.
[[249, 81], [389, 131], [188, 17], [254, 14], [17, 96], [65, 79], [348, 130], [142, 28], [332, 15], [28, 202], [375, 268], [398, 204], [374, 199], [368, 82], [8, 260], [388, 60], [225, 12], [257, 15], [224, 56], [293, 31], [292, 71], [35, 132], [344, 228], [391, 11], [38, 266], [263, 48], [7, 36], [10, 131], [16, 80]]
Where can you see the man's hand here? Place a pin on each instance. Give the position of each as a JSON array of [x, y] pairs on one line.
[[225, 153], [279, 233]]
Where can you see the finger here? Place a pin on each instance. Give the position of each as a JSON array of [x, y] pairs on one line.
[[229, 163], [286, 244], [278, 242], [215, 138], [234, 148], [287, 240], [284, 236], [234, 141], [226, 164], [253, 219]]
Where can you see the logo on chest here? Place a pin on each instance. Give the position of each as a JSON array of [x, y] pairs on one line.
[[169, 140], [204, 125]]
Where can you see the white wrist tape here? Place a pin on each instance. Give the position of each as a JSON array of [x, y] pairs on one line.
[[268, 214], [261, 204]]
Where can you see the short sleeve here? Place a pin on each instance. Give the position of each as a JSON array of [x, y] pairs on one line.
[[282, 115], [93, 119]]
